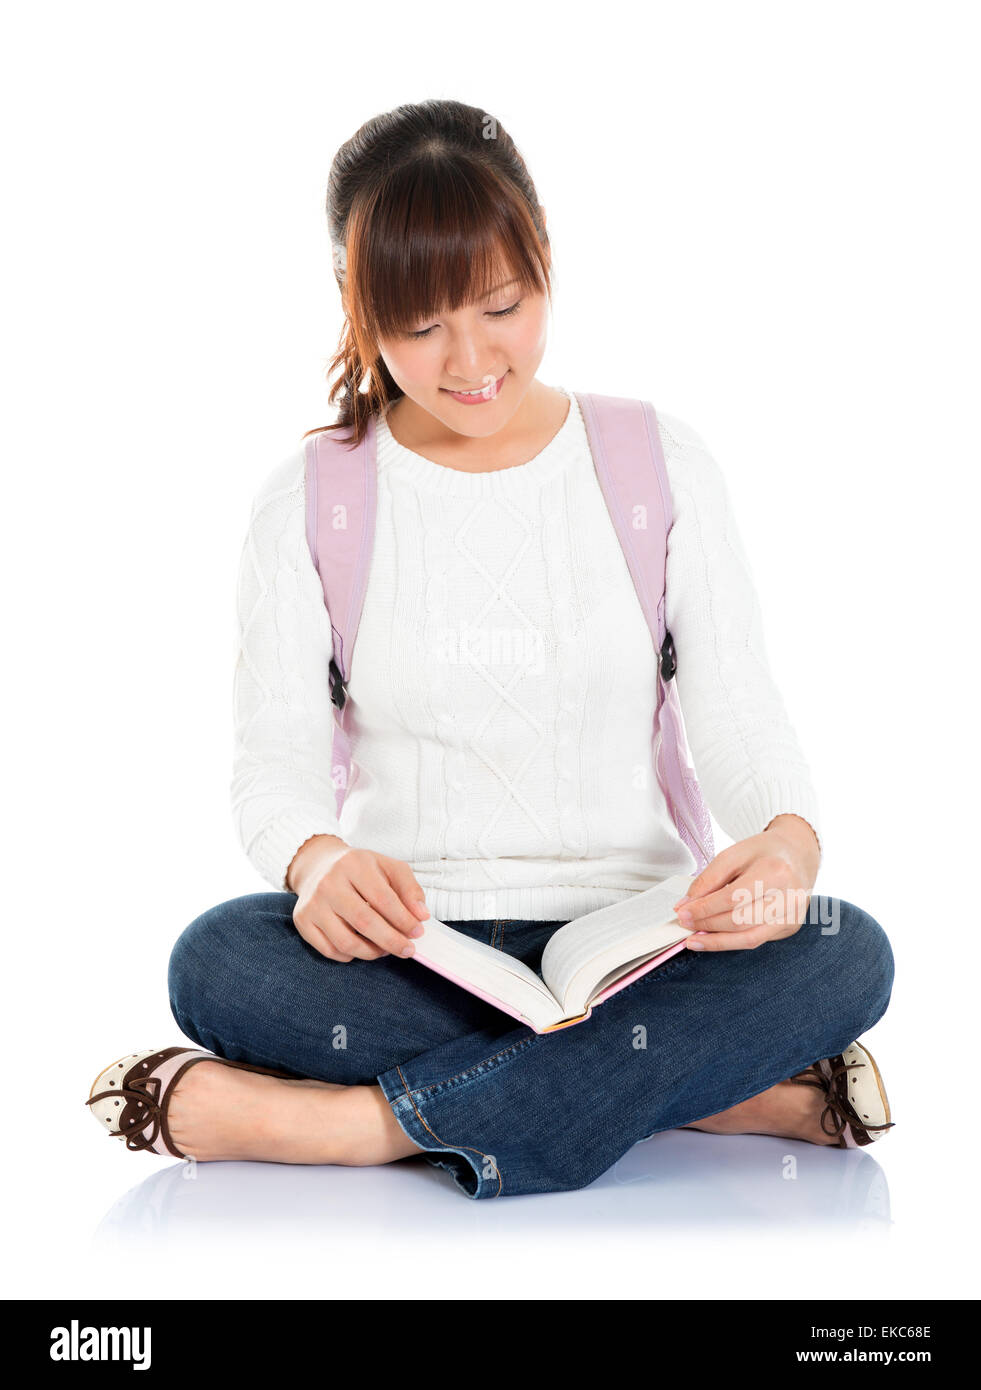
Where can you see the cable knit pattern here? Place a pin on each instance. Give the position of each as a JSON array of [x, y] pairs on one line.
[[451, 785], [503, 683]]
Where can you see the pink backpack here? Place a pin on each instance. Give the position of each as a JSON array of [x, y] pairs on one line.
[[341, 491]]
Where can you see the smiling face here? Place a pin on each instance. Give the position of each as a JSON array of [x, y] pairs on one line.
[[493, 348]]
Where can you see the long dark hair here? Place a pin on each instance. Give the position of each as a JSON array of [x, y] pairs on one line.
[[425, 205]]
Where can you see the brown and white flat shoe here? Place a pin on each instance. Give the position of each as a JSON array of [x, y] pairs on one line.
[[856, 1112], [131, 1097]]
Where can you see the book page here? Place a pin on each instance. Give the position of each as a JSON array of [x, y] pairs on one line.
[[493, 974], [593, 950]]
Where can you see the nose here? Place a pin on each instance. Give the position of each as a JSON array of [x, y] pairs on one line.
[[467, 360]]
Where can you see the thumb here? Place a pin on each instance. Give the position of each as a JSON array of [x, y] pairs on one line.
[[716, 874]]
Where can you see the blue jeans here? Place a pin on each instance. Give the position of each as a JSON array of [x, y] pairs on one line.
[[503, 1109]]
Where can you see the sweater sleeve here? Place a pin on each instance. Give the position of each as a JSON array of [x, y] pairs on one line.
[[746, 754], [281, 788]]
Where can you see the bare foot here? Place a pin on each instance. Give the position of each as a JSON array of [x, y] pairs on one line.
[[786, 1110], [218, 1112]]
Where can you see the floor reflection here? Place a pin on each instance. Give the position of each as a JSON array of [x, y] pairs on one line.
[[674, 1181]]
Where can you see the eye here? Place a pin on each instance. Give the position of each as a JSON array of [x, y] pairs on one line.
[[494, 313]]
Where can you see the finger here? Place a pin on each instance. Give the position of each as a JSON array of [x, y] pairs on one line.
[[406, 885], [754, 936], [354, 946], [720, 921], [736, 916], [708, 895], [353, 943], [742, 895], [378, 891], [314, 937], [345, 943], [359, 918], [720, 871], [354, 926], [729, 940]]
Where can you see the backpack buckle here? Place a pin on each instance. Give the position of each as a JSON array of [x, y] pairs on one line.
[[338, 694], [669, 657]]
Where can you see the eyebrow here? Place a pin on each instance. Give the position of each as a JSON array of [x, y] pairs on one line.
[[498, 288]]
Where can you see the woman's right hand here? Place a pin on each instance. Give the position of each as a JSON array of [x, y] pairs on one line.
[[354, 902]]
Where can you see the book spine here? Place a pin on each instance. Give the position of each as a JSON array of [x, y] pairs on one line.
[[566, 1022]]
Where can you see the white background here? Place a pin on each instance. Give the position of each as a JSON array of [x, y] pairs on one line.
[[764, 219]]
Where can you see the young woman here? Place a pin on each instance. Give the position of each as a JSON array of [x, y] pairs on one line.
[[319, 1040]]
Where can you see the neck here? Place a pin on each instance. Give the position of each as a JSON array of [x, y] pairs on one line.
[[541, 412]]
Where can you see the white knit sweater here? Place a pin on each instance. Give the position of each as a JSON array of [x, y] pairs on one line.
[[503, 683]]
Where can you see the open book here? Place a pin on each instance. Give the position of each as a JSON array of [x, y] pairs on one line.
[[584, 962]]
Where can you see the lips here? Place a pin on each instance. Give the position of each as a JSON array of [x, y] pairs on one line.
[[478, 394]]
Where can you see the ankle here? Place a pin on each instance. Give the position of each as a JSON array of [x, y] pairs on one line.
[[786, 1111], [364, 1131]]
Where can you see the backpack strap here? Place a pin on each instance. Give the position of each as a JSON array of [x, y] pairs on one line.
[[625, 442], [341, 484]]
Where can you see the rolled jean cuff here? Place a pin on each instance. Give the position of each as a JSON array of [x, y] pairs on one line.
[[473, 1171]]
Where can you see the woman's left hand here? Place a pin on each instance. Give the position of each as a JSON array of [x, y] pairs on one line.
[[756, 890]]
